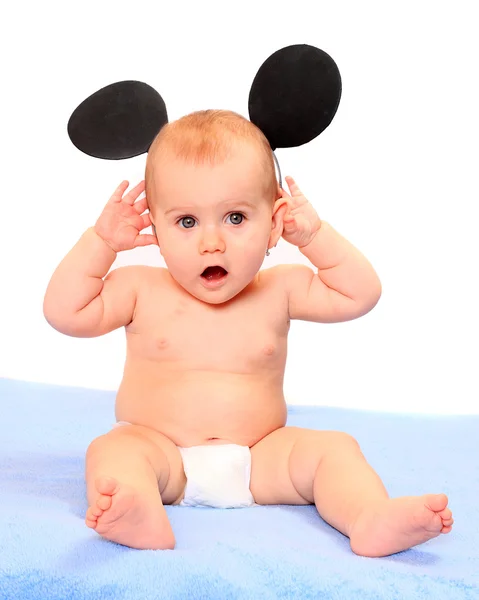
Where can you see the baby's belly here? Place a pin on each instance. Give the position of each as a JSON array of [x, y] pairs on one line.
[[195, 407]]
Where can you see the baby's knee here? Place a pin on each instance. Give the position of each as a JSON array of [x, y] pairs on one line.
[[97, 445], [323, 445], [121, 441], [117, 445], [135, 447], [343, 439], [328, 439], [341, 442]]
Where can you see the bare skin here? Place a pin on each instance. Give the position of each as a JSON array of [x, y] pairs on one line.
[[240, 402], [205, 368]]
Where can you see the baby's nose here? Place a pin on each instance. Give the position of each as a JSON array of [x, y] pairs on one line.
[[212, 241]]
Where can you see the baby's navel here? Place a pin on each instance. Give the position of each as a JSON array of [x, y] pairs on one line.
[[162, 342]]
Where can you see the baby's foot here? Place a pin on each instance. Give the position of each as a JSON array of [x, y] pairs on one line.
[[122, 514], [397, 524]]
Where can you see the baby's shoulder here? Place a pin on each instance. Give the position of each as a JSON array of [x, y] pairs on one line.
[[286, 277], [136, 275], [283, 273]]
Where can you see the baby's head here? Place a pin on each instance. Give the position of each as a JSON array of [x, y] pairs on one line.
[[214, 199]]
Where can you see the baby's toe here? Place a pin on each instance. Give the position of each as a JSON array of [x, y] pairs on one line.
[[94, 512], [107, 485], [91, 514], [103, 503], [436, 502], [446, 529], [445, 514]]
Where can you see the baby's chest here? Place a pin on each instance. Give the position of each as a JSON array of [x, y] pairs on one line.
[[223, 340]]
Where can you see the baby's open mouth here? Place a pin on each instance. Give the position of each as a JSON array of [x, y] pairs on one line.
[[214, 273]]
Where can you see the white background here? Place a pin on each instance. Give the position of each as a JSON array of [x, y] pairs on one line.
[[396, 173]]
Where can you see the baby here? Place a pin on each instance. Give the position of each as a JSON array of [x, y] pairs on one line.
[[200, 411]]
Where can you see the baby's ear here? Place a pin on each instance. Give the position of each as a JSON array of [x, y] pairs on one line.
[[280, 207], [279, 211], [118, 121], [295, 95]]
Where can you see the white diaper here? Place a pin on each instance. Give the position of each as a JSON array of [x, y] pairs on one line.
[[217, 475]]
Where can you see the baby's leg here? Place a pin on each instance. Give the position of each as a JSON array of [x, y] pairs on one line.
[[327, 468], [130, 473]]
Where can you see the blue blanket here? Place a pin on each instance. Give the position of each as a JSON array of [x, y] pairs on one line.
[[262, 553]]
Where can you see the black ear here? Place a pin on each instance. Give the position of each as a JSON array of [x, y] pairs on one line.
[[295, 95], [118, 121]]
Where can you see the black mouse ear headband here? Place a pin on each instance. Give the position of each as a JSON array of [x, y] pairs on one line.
[[293, 98]]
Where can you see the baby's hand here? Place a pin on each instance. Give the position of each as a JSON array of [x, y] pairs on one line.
[[122, 219], [301, 222]]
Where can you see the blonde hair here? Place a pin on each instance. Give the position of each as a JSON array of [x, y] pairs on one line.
[[207, 137]]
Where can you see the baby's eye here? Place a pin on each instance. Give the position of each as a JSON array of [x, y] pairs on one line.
[[190, 221], [235, 217]]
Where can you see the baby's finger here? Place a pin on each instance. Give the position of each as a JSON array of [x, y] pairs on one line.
[[145, 239], [293, 186], [289, 224], [146, 220], [118, 193], [141, 205], [134, 193]]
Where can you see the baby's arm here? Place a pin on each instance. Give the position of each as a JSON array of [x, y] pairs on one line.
[[80, 301]]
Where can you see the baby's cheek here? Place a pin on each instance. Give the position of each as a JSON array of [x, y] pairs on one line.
[[163, 233], [254, 238], [178, 250]]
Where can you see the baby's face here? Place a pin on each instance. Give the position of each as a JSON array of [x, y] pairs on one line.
[[214, 215]]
